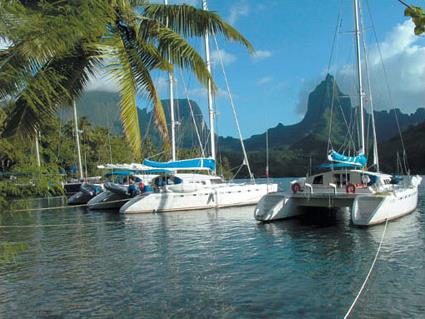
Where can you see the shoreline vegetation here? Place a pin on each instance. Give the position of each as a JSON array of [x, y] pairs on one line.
[[54, 49]]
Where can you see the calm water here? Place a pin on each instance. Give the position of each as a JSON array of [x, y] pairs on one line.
[[208, 264]]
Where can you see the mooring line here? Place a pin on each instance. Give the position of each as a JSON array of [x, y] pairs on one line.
[[66, 206], [37, 198], [65, 225], [349, 312]]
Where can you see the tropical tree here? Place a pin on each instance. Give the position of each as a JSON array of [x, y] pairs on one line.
[[56, 46], [418, 17]]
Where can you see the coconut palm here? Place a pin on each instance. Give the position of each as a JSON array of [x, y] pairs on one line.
[[56, 46]]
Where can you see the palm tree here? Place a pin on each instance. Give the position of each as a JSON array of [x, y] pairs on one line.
[[57, 45]]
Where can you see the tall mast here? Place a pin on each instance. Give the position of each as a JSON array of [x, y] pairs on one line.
[[77, 140], [171, 93], [359, 74], [210, 99], [37, 149]]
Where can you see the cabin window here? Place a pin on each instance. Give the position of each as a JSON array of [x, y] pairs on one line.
[[345, 179], [341, 179], [318, 179], [336, 179]]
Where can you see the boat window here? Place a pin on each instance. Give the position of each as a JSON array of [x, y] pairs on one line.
[[318, 179], [336, 179], [345, 179]]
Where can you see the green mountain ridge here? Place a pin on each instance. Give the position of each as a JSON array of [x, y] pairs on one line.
[[293, 148]]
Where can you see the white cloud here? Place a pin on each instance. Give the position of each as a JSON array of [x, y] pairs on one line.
[[226, 57], [202, 92], [261, 54], [102, 82], [264, 80], [239, 10], [403, 57]]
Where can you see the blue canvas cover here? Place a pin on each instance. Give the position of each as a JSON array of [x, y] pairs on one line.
[[189, 164], [358, 161]]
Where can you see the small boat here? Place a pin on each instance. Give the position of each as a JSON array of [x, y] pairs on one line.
[[87, 192], [372, 197], [123, 185]]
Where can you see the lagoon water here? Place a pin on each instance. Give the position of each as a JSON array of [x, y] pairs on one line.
[[73, 263]]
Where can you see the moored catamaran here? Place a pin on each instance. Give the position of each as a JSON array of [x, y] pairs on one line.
[[372, 197], [175, 191]]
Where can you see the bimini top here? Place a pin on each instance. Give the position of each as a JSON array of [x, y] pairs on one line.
[[357, 161], [188, 164]]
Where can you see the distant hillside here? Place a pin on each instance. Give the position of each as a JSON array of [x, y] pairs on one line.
[[292, 148], [101, 109], [314, 126], [413, 138]]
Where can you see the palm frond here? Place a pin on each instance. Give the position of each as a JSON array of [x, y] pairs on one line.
[[192, 22], [175, 48], [121, 69], [54, 84]]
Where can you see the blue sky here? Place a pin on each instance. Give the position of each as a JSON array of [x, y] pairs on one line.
[[293, 39]]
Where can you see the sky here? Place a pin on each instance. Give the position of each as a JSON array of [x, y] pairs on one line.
[[293, 41]]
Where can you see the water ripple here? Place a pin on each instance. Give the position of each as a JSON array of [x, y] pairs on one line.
[[208, 264]]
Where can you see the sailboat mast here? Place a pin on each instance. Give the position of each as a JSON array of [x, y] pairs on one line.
[[77, 140], [210, 99], [172, 118], [359, 74], [37, 149]]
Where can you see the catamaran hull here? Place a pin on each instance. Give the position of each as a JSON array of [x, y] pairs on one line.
[[372, 210], [218, 197], [366, 210]]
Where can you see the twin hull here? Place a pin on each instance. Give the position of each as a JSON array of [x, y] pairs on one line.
[[209, 197], [366, 209]]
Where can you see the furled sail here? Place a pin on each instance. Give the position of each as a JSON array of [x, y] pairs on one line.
[[359, 160], [189, 164]]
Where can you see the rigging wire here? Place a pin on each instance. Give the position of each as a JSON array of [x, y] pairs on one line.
[[186, 92], [230, 97], [388, 87]]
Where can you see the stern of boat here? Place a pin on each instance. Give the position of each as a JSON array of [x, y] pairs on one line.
[[275, 206]]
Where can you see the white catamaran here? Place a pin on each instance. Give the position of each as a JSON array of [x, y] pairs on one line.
[[190, 190], [373, 197]]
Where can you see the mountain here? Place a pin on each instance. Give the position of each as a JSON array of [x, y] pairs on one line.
[[102, 109], [314, 127], [413, 140], [294, 149]]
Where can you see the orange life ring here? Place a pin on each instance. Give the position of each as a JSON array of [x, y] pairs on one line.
[[350, 188], [296, 188]]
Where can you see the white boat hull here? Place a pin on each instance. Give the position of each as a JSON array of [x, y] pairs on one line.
[[227, 195], [366, 209]]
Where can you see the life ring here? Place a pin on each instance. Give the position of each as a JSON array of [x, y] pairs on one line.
[[296, 188], [350, 188]]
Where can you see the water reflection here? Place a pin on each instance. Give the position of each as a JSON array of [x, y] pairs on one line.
[[214, 263]]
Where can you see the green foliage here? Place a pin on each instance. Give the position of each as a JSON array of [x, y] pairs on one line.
[[418, 17], [21, 178], [56, 47]]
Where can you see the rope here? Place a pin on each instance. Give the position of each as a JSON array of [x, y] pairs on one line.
[[186, 92], [65, 207], [350, 310], [59, 225], [388, 86], [38, 198], [232, 104]]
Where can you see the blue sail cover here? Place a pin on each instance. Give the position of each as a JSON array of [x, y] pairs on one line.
[[189, 164], [358, 161]]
